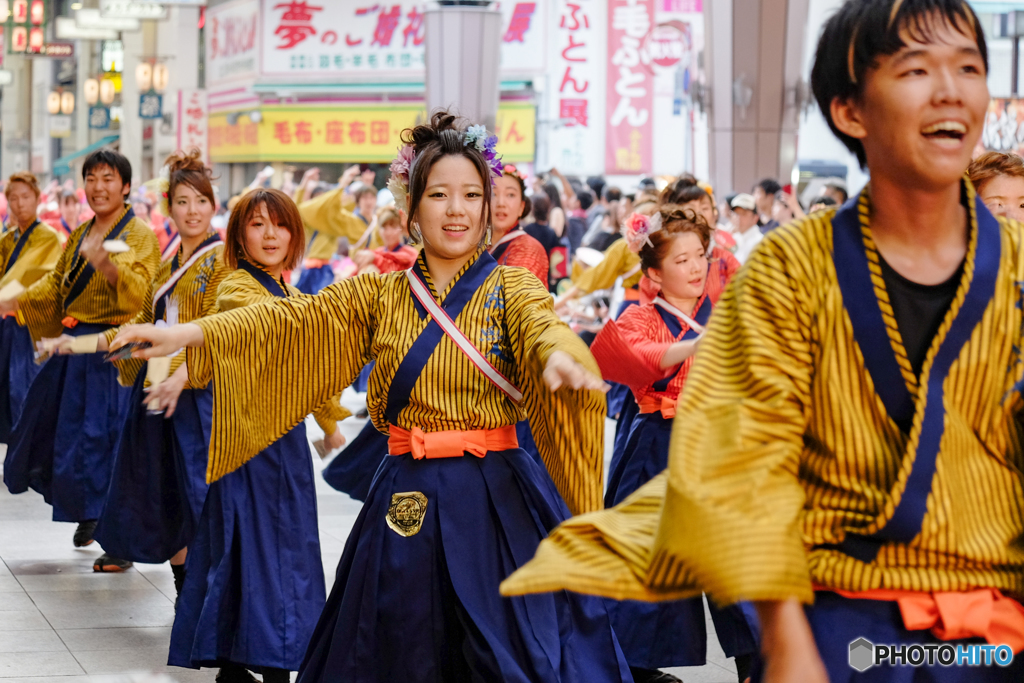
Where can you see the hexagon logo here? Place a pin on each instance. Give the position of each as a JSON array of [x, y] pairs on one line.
[[862, 654]]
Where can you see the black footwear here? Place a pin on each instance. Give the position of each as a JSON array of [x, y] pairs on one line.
[[233, 673], [744, 664], [276, 675], [106, 563], [652, 676], [83, 534]]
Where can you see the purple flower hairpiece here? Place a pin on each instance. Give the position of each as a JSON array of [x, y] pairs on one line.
[[486, 145]]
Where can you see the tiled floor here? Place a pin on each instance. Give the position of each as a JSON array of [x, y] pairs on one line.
[[60, 622]]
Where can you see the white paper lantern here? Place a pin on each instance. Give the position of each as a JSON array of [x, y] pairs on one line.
[[144, 76], [107, 91], [67, 103], [91, 88], [161, 76]]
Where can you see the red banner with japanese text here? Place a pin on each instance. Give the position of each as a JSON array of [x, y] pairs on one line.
[[630, 132], [192, 120]]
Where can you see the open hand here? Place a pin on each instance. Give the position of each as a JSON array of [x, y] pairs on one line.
[[165, 340], [561, 370]]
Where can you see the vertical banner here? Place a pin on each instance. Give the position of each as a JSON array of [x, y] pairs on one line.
[[192, 118], [578, 85], [629, 148]]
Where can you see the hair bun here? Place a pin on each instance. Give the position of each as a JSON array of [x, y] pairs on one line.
[[444, 127], [181, 160]]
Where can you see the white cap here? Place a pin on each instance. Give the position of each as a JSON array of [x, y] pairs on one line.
[[743, 201]]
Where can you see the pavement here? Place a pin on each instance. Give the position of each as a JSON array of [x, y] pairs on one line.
[[60, 622]]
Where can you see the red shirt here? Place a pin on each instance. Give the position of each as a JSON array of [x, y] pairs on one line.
[[525, 252], [388, 261]]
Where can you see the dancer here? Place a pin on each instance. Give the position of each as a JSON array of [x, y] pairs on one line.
[[999, 179], [158, 481], [661, 339], [456, 504], [510, 245], [394, 255], [327, 217], [28, 251], [254, 578], [63, 444], [850, 434]]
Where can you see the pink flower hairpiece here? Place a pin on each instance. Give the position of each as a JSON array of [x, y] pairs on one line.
[[638, 229], [401, 171], [511, 170]]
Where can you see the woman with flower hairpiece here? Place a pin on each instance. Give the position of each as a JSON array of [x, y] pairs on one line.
[[464, 349], [650, 348], [510, 244]]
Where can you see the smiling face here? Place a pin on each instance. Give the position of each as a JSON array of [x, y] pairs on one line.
[[22, 201], [1004, 196], [391, 233], [922, 109], [507, 204], [191, 211], [105, 191], [451, 209], [266, 242], [684, 270]]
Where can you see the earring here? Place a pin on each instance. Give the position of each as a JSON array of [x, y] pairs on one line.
[[487, 237], [415, 234]]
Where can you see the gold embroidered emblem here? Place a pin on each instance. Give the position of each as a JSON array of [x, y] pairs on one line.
[[405, 516]]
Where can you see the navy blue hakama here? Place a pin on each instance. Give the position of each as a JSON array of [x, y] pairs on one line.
[[254, 580], [17, 370], [837, 621], [654, 635], [353, 469], [312, 280], [158, 484], [63, 444], [426, 607]]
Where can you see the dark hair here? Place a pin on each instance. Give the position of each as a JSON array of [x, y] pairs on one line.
[[823, 200], [282, 211], [612, 194], [836, 187], [675, 220], [586, 198], [863, 30], [68, 196], [363, 191], [770, 186], [25, 178], [189, 169], [596, 184], [444, 136], [552, 192], [683, 191], [112, 159], [510, 171], [991, 165], [541, 208]]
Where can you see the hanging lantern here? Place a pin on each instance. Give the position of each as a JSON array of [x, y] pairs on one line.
[[20, 11], [19, 39], [67, 103], [5, 11], [35, 40], [38, 13], [91, 89], [107, 91], [144, 76], [53, 102], [161, 75]]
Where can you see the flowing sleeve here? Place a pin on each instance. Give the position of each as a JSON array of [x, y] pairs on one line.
[[327, 214], [635, 326], [38, 258], [618, 261], [128, 369], [724, 517], [273, 363], [567, 425], [137, 267], [41, 305]]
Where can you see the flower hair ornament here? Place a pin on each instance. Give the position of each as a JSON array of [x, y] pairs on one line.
[[486, 145], [638, 230], [401, 172], [511, 170], [161, 185]]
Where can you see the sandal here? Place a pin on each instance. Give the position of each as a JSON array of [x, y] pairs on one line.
[[83, 534], [233, 673], [106, 563], [652, 676]]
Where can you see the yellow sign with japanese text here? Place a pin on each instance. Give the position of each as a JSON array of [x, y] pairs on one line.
[[351, 134]]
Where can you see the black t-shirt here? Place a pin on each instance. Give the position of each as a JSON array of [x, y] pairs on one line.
[[604, 240], [543, 234], [919, 310]]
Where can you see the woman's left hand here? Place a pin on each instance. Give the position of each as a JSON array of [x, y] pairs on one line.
[[164, 396], [561, 370]]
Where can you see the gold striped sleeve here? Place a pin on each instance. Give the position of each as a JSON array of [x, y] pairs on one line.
[[137, 267], [274, 362], [326, 213], [40, 308], [730, 518], [618, 260], [39, 256], [568, 425]]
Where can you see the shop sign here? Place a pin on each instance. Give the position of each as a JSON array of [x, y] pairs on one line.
[[99, 117], [151, 106], [232, 41], [346, 134], [192, 121], [630, 103]]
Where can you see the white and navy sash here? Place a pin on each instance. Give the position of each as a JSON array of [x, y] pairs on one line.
[[163, 294], [22, 241], [264, 278], [499, 249], [869, 331], [81, 271], [442, 317], [673, 319]]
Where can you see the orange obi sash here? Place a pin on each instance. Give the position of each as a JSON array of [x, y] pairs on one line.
[[450, 444], [69, 322], [983, 613], [654, 404], [631, 295], [314, 263]]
